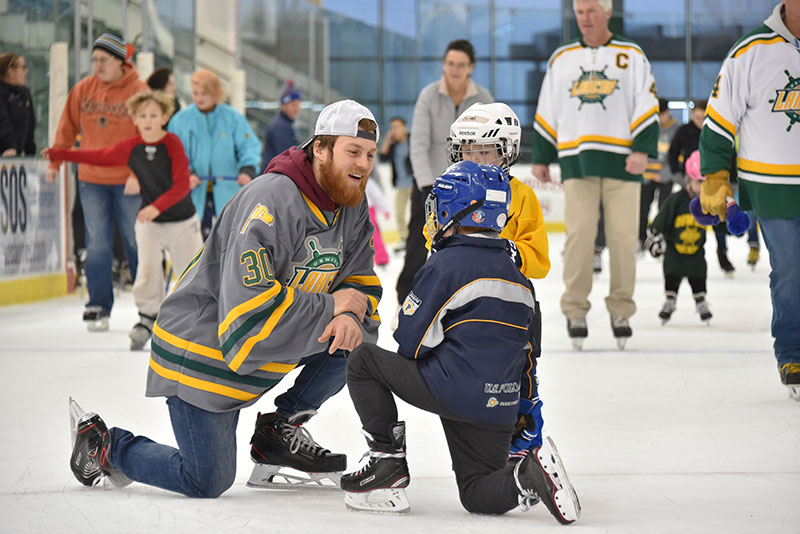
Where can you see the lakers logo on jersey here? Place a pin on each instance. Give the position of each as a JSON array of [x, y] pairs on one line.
[[319, 269], [787, 100], [259, 213], [593, 86]]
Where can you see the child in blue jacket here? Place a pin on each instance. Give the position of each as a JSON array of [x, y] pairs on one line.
[[464, 333]]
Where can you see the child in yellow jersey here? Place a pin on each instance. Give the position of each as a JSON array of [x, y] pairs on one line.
[[490, 134]]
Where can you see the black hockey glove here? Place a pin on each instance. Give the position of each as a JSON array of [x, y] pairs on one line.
[[655, 243]]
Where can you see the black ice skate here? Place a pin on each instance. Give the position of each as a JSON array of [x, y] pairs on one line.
[[790, 377], [668, 309], [724, 263], [96, 318], [141, 331], [90, 442], [577, 331], [378, 486], [541, 477], [622, 331], [702, 307], [285, 454]]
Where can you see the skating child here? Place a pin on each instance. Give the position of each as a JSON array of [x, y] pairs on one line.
[[465, 334], [167, 218], [490, 134], [677, 236]]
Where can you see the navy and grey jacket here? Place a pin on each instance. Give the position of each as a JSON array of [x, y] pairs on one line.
[[468, 320]]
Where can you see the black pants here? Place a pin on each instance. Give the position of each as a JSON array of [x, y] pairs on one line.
[[649, 190], [672, 283], [416, 253], [479, 452]]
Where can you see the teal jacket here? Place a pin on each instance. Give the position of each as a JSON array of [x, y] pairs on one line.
[[220, 144]]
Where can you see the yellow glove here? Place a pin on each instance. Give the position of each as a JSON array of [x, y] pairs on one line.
[[715, 192]]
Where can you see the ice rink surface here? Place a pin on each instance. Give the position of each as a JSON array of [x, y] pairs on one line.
[[686, 430]]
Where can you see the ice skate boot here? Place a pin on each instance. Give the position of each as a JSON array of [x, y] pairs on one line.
[[577, 331], [541, 477], [622, 331], [724, 263], [96, 319], [285, 454], [597, 261], [668, 309], [790, 377], [90, 442], [141, 331], [378, 486], [752, 256], [702, 307]]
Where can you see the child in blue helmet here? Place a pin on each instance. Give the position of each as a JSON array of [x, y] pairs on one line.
[[464, 333]]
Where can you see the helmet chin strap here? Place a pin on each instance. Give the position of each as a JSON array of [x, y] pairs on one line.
[[454, 222]]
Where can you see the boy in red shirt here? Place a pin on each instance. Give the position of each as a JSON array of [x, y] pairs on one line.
[[167, 218]]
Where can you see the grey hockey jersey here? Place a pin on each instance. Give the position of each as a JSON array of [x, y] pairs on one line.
[[254, 300]]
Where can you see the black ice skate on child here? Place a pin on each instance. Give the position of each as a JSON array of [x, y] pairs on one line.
[[577, 332], [702, 307], [668, 309], [541, 477], [279, 446], [141, 331], [96, 319], [378, 486], [90, 442]]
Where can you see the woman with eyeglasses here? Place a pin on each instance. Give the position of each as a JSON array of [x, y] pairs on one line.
[[17, 120]]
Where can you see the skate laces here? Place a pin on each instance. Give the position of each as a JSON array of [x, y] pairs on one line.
[[300, 438], [527, 498], [619, 322]]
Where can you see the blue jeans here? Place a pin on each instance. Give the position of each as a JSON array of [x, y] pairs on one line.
[[322, 377], [102, 205], [204, 465], [752, 231], [782, 238]]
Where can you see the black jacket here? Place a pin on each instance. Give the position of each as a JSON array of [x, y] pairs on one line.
[[17, 120], [389, 156]]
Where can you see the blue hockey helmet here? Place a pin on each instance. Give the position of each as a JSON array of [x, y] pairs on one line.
[[468, 194]]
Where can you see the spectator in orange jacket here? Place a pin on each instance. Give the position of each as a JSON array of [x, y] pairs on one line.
[[95, 108]]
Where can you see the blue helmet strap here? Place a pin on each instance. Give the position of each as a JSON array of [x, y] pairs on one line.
[[455, 221]]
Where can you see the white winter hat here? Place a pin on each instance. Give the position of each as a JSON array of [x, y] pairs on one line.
[[341, 118]]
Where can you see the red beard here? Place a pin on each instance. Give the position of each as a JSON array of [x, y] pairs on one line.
[[342, 189]]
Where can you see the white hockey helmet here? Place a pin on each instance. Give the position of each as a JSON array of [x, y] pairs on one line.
[[481, 125]]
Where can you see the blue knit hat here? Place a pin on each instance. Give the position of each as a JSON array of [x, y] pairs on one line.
[[112, 44], [290, 93]]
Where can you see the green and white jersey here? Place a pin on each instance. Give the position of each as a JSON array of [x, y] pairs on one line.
[[597, 105], [757, 98]]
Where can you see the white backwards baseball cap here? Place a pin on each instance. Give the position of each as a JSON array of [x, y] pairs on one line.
[[341, 118]]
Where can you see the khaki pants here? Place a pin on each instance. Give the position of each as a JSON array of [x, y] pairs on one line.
[[182, 239], [620, 201], [401, 197]]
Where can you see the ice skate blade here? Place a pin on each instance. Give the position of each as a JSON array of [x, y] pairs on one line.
[[565, 497], [75, 415], [380, 501], [577, 342], [97, 326], [794, 392], [266, 476], [621, 341]]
